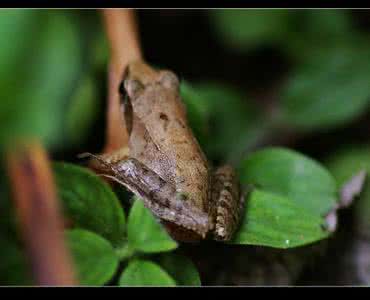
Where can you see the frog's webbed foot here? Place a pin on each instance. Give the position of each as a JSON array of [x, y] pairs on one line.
[[228, 203]]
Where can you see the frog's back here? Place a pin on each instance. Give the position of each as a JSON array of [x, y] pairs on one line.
[[162, 111]]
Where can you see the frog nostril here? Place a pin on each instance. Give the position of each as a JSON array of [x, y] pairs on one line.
[[163, 117]]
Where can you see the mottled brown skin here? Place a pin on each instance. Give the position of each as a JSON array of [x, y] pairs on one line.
[[164, 163]]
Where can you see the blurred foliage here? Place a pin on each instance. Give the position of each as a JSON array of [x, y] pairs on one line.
[[319, 90], [296, 32], [344, 164], [42, 86], [13, 268], [330, 61], [244, 29], [221, 116], [51, 88]]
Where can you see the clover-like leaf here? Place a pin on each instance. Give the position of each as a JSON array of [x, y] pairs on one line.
[[145, 233], [89, 202], [94, 257], [181, 269], [145, 273]]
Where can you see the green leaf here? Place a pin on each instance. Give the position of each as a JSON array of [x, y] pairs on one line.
[[14, 269], [291, 197], [290, 174], [89, 202], [276, 221], [180, 268], [145, 273], [244, 29], [94, 257], [144, 232], [318, 92], [49, 61], [346, 163]]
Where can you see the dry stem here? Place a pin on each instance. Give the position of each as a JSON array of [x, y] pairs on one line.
[[38, 215], [121, 30]]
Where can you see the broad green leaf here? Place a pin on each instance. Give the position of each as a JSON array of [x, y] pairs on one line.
[[180, 268], [346, 163], [145, 273], [318, 92], [292, 175], [33, 104], [144, 232], [244, 29], [94, 257], [89, 202], [82, 111], [14, 269], [276, 221]]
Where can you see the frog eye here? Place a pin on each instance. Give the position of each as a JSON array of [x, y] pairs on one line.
[[123, 94], [121, 89], [133, 87], [169, 79]]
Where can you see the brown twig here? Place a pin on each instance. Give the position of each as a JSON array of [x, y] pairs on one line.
[[37, 209], [121, 31]]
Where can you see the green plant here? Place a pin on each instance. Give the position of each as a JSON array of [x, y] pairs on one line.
[[113, 238]]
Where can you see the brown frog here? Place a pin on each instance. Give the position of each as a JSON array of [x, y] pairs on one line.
[[164, 164]]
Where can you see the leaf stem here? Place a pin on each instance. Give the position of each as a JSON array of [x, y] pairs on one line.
[[125, 252]]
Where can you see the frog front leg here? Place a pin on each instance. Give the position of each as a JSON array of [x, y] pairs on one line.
[[227, 201], [158, 195]]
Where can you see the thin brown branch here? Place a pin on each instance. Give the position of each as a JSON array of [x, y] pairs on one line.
[[121, 31], [38, 215]]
